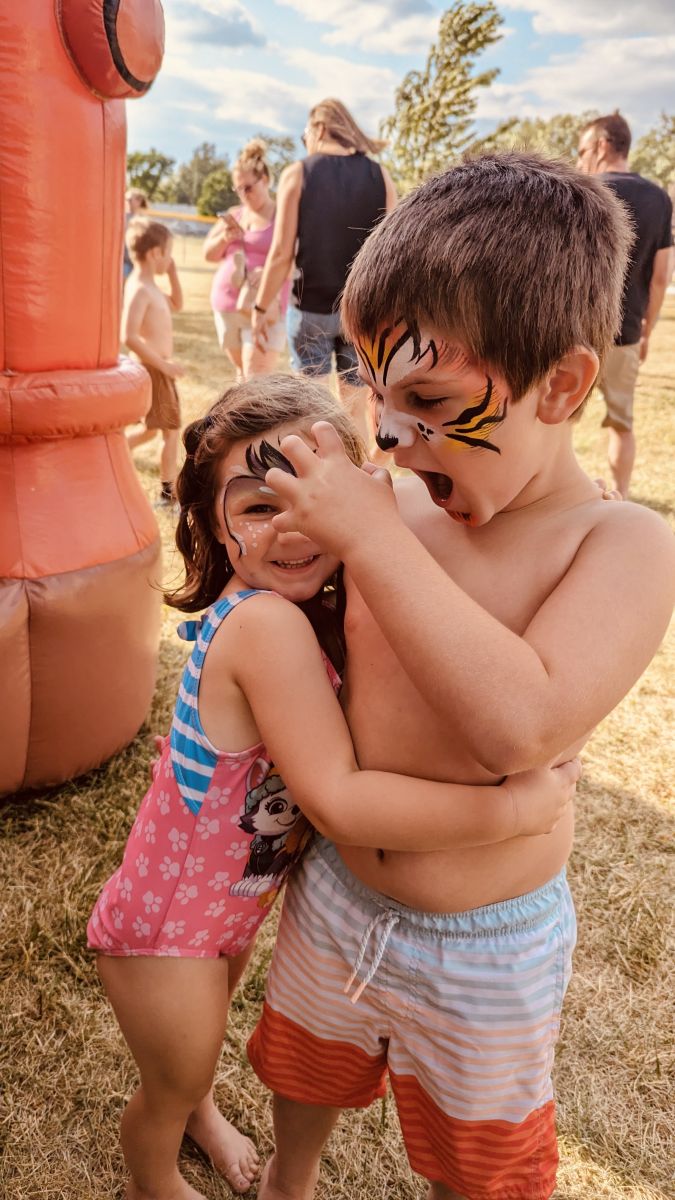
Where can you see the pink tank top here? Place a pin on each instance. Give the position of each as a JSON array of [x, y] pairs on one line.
[[256, 245]]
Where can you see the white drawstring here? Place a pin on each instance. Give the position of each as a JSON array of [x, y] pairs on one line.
[[388, 919]]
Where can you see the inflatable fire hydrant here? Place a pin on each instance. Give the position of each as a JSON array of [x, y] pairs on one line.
[[79, 546]]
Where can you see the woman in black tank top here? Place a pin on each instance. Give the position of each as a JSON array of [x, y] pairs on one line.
[[326, 207]]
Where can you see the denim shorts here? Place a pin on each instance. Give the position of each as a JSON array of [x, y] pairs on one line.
[[313, 339]]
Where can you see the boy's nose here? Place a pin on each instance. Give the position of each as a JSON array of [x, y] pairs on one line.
[[396, 429]]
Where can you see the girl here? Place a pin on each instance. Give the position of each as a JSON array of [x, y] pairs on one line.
[[217, 832]]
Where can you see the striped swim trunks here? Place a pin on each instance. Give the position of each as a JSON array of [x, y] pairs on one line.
[[461, 1010]]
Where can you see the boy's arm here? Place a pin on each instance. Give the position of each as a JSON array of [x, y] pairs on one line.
[[277, 663], [175, 297], [516, 701], [132, 323], [657, 290]]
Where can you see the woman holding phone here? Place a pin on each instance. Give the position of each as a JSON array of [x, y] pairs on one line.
[[239, 242]]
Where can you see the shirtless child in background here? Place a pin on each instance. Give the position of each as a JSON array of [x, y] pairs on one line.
[[148, 333], [502, 610]]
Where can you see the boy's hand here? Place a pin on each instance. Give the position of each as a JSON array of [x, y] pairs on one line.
[[173, 369], [607, 492], [331, 498], [542, 797]]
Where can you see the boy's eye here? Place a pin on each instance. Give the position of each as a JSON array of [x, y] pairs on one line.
[[425, 402]]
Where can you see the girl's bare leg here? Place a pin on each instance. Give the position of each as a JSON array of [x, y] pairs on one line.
[[300, 1132], [173, 1013], [207, 1126]]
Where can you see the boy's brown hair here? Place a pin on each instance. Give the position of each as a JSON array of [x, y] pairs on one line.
[[142, 236], [519, 257]]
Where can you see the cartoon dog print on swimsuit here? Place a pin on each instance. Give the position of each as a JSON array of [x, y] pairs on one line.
[[395, 354], [280, 833]]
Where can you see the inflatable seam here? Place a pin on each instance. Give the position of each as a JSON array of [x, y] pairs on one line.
[[31, 683]]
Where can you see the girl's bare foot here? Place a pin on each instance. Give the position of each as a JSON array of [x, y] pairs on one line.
[[233, 1155]]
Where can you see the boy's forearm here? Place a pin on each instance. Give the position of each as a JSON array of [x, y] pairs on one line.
[[657, 292], [176, 295], [480, 676], [145, 352]]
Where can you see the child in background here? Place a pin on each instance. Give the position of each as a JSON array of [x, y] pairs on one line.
[[148, 334], [258, 744], [493, 619]]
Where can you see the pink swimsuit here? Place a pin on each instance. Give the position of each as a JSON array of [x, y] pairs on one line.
[[213, 841]]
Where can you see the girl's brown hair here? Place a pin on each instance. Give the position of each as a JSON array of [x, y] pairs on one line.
[[243, 412], [342, 128]]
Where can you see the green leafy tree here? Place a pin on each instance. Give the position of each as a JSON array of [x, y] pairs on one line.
[[189, 179], [432, 123], [654, 154], [147, 169], [556, 137], [217, 193], [280, 152]]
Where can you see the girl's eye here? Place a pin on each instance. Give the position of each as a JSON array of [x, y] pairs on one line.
[[259, 510]]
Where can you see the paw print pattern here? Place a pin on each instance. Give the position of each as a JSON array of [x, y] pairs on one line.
[[173, 929], [199, 938], [141, 927], [218, 797], [237, 850], [178, 840], [219, 881], [151, 833], [126, 888], [169, 868], [194, 866], [186, 892], [207, 827], [152, 902], [117, 917], [142, 863], [216, 908], [164, 803]]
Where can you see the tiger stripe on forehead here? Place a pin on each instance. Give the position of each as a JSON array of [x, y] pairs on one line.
[[378, 353]]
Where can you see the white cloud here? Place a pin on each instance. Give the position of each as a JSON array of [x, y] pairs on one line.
[[597, 17], [366, 90], [396, 27], [633, 74]]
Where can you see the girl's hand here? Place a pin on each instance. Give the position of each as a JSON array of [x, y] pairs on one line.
[[331, 498], [542, 797]]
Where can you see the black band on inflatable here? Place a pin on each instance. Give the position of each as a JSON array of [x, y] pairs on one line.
[[110, 10]]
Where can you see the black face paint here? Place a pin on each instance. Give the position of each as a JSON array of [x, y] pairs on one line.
[[386, 441], [484, 415], [259, 462]]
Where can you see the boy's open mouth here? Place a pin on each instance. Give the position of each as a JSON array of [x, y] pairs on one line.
[[439, 488]]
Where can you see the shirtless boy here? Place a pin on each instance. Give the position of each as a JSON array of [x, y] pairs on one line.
[[494, 618], [148, 333]]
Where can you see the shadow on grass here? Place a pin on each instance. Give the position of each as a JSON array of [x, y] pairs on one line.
[[662, 507]]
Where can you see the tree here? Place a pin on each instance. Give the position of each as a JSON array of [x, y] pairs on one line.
[[556, 137], [189, 179], [147, 169], [217, 193], [654, 154], [432, 123]]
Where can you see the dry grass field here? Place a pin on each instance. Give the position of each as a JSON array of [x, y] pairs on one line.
[[65, 1069]]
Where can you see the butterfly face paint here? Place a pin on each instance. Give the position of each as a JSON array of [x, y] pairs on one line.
[[248, 504]]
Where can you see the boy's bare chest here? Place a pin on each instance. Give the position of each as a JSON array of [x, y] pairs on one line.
[[511, 577]]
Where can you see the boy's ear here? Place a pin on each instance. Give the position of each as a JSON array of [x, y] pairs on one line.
[[567, 385]]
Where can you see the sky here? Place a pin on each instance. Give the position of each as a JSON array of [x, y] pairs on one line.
[[232, 69]]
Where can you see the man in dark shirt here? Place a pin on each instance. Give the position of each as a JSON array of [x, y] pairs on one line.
[[603, 150]]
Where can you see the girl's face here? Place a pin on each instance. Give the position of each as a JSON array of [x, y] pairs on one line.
[[252, 190], [288, 563]]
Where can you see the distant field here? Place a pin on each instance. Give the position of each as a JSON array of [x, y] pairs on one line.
[[65, 1069]]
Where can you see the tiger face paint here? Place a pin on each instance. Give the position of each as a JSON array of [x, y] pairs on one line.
[[435, 407]]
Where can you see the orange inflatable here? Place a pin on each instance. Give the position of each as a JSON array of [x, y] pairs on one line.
[[79, 546]]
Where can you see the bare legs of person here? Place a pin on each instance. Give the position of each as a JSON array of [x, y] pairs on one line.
[[235, 358], [300, 1133], [140, 438], [173, 1013], [168, 463], [256, 361], [621, 458]]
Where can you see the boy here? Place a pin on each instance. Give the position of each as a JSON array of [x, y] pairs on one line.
[[492, 621], [147, 331]]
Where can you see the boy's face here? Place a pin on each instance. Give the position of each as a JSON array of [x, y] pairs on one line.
[[450, 421], [162, 257]]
